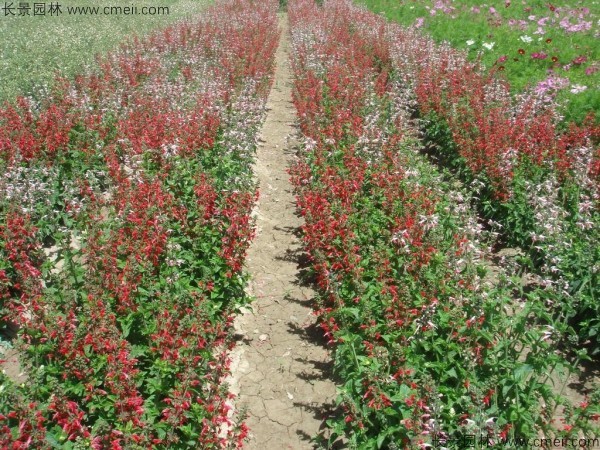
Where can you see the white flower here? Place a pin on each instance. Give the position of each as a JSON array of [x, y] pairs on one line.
[[470, 422], [577, 88], [489, 45], [526, 39], [470, 42]]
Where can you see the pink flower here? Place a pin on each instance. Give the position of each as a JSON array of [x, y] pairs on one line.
[[573, 28], [591, 70], [551, 85], [540, 55], [543, 21], [502, 58]]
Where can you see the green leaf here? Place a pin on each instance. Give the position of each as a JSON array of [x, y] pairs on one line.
[[380, 440], [521, 372], [402, 394]]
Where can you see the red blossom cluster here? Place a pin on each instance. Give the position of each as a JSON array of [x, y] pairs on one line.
[[492, 132], [368, 227]]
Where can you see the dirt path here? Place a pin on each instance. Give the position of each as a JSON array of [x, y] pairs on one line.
[[279, 368]]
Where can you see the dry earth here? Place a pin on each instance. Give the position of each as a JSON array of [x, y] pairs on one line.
[[280, 369]]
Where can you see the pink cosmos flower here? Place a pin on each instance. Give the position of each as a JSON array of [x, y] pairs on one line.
[[550, 84], [591, 70]]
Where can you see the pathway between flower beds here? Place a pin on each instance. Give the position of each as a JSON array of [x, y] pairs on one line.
[[280, 367]]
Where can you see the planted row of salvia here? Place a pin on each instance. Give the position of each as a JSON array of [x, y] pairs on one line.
[[124, 220], [429, 348], [534, 178]]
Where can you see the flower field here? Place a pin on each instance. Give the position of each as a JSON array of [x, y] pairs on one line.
[[450, 215], [549, 46], [413, 156], [124, 219]]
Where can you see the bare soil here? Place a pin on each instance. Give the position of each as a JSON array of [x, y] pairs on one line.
[[280, 367]]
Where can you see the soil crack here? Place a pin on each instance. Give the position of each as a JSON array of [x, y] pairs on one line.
[[270, 363]]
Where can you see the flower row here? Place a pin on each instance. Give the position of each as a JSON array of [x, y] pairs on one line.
[[536, 179], [124, 224], [422, 336]]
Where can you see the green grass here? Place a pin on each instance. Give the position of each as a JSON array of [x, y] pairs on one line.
[[521, 70], [34, 48]]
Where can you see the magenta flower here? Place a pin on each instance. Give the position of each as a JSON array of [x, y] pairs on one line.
[[591, 70], [540, 55]]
